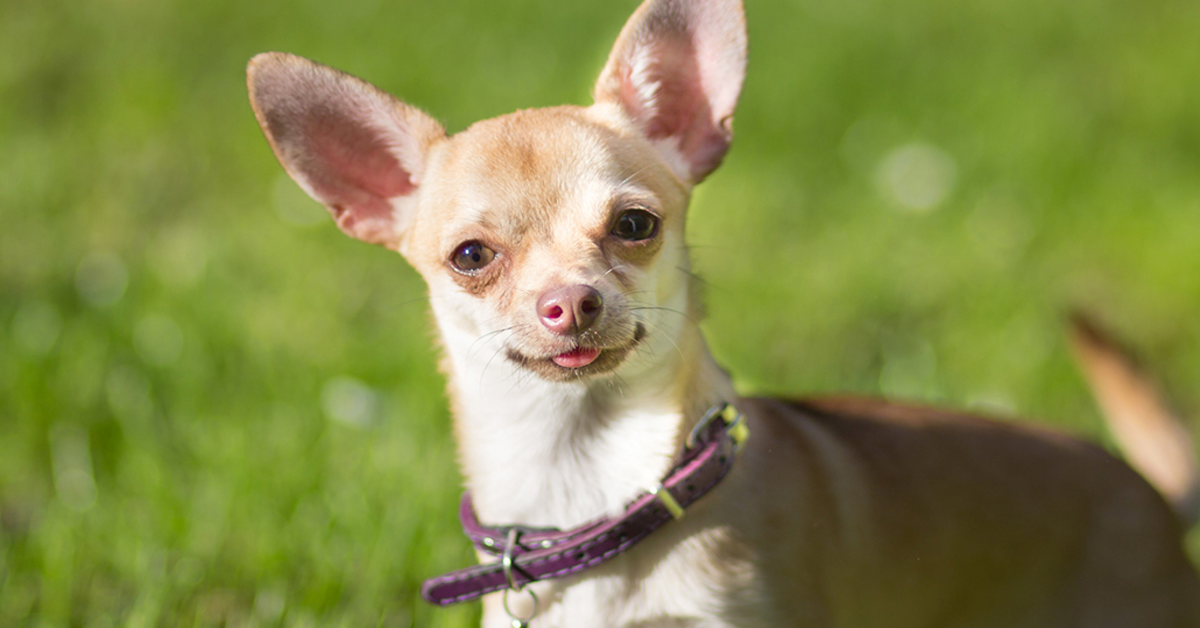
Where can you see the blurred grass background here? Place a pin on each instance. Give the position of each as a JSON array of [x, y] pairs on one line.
[[217, 410]]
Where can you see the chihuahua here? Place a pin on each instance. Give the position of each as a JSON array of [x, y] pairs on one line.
[[552, 243]]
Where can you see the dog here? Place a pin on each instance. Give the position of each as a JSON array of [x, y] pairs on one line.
[[552, 243]]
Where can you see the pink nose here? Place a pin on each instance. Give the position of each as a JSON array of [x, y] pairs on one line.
[[570, 310]]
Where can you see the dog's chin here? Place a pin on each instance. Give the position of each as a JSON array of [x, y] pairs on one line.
[[579, 362]]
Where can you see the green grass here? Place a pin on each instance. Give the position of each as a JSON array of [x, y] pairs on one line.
[[217, 410]]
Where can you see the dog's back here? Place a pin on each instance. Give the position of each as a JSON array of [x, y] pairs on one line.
[[927, 517], [913, 516]]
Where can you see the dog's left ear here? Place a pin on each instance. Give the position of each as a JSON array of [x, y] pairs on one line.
[[676, 71]]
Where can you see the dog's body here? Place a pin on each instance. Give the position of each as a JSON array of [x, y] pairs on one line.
[[552, 243]]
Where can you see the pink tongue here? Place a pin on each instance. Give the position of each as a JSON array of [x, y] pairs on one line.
[[576, 358]]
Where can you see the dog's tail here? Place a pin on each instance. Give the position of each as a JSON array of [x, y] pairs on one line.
[[1152, 437]]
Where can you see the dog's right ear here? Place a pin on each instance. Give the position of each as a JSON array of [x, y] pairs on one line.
[[356, 149], [676, 71]]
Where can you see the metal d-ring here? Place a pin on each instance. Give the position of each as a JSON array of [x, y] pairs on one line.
[[521, 622], [507, 563]]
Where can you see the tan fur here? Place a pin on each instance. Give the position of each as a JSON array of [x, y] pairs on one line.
[[840, 512], [1149, 432]]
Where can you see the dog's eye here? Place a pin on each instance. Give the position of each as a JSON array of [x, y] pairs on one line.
[[472, 256], [636, 224]]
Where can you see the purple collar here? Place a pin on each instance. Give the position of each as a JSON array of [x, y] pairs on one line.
[[533, 554]]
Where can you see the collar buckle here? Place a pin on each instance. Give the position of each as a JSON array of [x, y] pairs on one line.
[[734, 423]]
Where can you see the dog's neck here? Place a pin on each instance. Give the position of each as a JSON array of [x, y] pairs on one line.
[[540, 453]]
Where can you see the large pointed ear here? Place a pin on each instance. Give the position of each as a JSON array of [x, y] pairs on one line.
[[356, 149], [676, 71]]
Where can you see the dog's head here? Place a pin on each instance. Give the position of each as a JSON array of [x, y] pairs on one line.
[[554, 235]]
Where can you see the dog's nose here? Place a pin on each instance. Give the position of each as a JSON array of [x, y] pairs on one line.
[[570, 310]]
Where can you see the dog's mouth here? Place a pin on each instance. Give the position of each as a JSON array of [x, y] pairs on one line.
[[578, 357], [579, 361]]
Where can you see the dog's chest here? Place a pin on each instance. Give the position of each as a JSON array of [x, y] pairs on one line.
[[691, 576], [553, 457]]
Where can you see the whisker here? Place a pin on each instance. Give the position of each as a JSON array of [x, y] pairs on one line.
[[633, 174], [659, 328], [684, 315], [690, 273], [486, 336], [717, 247], [404, 304], [483, 372], [519, 379], [614, 269]]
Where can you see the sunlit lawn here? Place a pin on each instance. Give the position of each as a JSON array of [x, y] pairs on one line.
[[215, 409]]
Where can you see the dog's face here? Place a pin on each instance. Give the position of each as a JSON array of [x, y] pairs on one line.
[[554, 233], [552, 237]]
